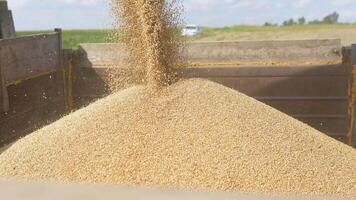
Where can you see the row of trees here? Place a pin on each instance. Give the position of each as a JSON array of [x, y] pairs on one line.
[[332, 18]]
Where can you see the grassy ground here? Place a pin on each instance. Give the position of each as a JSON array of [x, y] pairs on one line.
[[71, 38], [346, 32]]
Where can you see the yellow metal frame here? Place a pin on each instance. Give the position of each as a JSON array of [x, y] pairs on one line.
[[260, 63], [68, 79], [352, 105], [17, 82]]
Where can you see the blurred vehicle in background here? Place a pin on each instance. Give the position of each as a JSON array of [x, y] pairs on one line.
[[191, 30]]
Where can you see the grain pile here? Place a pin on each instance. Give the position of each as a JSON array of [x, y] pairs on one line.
[[195, 134]]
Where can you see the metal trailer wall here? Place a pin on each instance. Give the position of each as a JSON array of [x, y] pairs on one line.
[[327, 50], [7, 27], [314, 94], [33, 80], [39, 92], [352, 94], [303, 51], [4, 98]]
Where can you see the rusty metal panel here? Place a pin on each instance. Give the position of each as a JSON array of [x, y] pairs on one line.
[[31, 69], [38, 91], [277, 50], [353, 54], [90, 84], [335, 126], [7, 28], [295, 87], [4, 100], [68, 78], [33, 103], [308, 106], [29, 56], [316, 95], [300, 51], [265, 71], [352, 136], [325, 85]]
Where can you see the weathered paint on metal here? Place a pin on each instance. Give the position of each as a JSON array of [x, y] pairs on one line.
[[34, 103], [7, 27], [34, 79], [4, 99], [28, 56], [353, 54], [103, 55], [68, 78], [316, 95], [352, 136], [278, 50]]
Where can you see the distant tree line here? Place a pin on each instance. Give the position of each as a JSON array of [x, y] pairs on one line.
[[332, 18]]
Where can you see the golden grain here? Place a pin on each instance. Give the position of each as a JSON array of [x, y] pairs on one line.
[[195, 134], [149, 30]]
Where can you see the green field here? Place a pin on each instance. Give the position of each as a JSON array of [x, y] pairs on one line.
[[71, 38], [346, 32]]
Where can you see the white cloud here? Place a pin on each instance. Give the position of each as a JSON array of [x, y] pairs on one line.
[[347, 14], [205, 5], [251, 4], [82, 2], [200, 4], [211, 4], [341, 2], [302, 3], [15, 4]]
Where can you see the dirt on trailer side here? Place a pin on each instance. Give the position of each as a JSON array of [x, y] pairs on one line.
[[261, 63], [347, 35]]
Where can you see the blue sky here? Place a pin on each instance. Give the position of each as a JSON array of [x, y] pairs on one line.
[[72, 14]]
